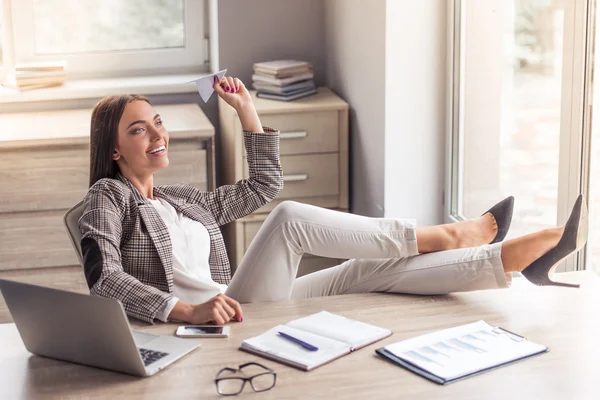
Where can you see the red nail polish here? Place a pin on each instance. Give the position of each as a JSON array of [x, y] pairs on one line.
[[242, 319], [228, 88]]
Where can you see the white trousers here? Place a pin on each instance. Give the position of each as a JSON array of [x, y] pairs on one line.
[[382, 253]]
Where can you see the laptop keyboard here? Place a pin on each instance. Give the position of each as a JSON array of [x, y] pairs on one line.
[[149, 356]]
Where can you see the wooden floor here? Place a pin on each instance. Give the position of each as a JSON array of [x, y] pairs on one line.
[[65, 278]]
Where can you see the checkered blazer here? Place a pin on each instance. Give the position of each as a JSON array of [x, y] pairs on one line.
[[126, 246]]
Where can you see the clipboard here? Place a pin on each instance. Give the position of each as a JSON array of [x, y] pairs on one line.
[[417, 368]]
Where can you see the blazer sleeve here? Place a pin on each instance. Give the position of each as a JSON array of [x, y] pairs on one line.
[[265, 180], [101, 227]]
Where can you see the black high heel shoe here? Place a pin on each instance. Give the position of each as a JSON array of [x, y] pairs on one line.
[[573, 239], [502, 213]]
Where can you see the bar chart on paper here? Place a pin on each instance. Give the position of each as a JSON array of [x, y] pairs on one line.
[[463, 350]]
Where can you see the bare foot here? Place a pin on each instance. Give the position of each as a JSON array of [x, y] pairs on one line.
[[473, 232], [519, 253], [470, 233]]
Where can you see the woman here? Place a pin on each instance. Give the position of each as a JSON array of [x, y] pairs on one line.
[[160, 252]]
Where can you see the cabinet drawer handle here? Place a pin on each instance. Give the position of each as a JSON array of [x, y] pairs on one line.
[[295, 177], [293, 135]]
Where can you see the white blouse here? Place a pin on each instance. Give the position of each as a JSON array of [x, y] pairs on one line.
[[191, 249]]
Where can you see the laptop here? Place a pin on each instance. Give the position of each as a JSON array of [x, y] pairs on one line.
[[87, 330]]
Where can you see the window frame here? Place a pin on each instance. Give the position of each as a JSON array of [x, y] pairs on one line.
[[193, 57], [6, 38], [575, 132]]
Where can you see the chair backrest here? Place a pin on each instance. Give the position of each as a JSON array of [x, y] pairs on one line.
[[71, 220]]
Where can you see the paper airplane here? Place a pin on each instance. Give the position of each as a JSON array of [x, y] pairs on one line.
[[205, 83]]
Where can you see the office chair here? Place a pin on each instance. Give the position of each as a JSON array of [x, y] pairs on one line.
[[71, 220]]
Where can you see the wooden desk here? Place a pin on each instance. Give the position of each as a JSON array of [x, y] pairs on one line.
[[566, 320]]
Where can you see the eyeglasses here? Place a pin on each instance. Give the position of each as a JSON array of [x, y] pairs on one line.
[[233, 385]]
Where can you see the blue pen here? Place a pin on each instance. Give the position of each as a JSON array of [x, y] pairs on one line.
[[300, 342]]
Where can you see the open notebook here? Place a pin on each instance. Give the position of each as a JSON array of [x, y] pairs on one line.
[[456, 353], [333, 334]]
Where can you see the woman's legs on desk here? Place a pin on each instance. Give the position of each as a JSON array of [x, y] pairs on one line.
[[443, 272], [383, 252]]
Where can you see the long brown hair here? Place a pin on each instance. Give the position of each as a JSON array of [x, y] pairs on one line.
[[103, 134]]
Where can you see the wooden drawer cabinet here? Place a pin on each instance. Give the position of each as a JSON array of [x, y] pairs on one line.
[[44, 172], [43, 178], [55, 178], [310, 178], [306, 132], [314, 159], [34, 240]]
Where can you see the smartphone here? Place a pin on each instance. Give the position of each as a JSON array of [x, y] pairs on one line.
[[207, 331]]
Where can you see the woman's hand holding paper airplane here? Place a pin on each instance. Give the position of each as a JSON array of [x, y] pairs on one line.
[[234, 92]]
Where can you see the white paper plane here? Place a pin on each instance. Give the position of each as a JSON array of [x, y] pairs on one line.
[[204, 84]]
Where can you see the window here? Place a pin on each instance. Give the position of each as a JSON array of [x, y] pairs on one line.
[[1, 16], [112, 37], [594, 180], [516, 109], [115, 26]]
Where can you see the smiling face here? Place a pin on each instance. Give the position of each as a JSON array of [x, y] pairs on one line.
[[142, 141]]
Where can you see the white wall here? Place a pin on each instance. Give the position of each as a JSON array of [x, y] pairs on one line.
[[262, 30], [387, 58], [355, 69], [415, 109]]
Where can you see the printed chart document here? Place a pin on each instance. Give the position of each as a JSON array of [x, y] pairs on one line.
[[456, 353], [332, 334]]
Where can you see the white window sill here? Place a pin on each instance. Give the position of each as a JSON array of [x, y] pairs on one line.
[[98, 88]]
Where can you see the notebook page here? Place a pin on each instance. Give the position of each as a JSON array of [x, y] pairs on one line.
[[272, 343], [459, 351], [354, 333]]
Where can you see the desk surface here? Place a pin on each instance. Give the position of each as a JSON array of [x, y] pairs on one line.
[[566, 320]]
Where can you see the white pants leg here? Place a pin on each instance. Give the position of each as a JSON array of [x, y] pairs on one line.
[[382, 251], [442, 272]]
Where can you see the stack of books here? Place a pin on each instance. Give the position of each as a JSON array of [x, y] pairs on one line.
[[283, 79], [28, 76]]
